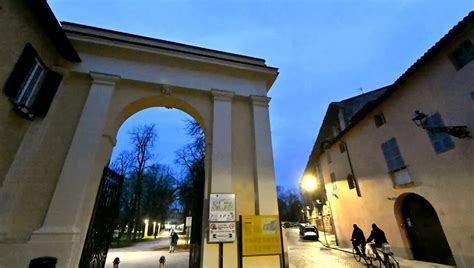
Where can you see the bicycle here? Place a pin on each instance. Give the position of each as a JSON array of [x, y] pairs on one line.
[[389, 260], [371, 259], [358, 256]]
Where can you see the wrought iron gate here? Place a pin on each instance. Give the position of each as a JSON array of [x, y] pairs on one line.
[[102, 224]]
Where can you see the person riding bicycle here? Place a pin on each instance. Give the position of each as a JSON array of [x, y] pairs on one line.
[[379, 236], [357, 239]]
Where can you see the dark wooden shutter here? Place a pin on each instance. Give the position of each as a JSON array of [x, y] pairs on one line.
[[350, 181], [45, 95], [441, 141], [20, 71]]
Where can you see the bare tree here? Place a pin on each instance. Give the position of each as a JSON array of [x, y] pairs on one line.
[[190, 191], [122, 165], [143, 138], [159, 192]]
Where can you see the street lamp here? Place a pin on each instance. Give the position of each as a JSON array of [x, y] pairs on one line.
[[460, 132], [309, 183]]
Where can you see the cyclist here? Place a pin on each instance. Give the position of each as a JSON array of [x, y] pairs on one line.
[[379, 236], [357, 239]]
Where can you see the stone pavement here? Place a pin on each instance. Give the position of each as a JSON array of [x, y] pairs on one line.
[[404, 263], [306, 254], [145, 254]]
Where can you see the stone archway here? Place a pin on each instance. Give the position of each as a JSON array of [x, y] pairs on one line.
[[423, 230], [121, 74]]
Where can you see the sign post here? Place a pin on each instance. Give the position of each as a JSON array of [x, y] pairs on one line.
[[189, 222], [222, 218]]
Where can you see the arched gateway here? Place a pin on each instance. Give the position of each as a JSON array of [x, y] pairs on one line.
[[423, 229], [121, 74]]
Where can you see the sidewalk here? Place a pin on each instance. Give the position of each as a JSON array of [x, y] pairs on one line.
[[404, 263]]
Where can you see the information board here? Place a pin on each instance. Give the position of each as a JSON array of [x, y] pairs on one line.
[[260, 235], [222, 207], [221, 232], [189, 221]]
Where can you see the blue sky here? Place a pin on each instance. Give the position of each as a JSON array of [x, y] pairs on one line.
[[326, 49]]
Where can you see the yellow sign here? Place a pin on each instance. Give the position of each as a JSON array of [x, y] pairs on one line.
[[260, 235]]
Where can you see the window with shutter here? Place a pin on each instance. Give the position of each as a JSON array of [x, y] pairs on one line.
[[350, 181], [441, 141], [328, 156], [392, 155], [379, 120], [395, 163], [463, 54], [342, 147], [333, 180], [31, 86]]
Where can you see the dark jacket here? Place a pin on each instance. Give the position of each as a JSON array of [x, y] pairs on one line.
[[358, 236], [174, 238], [378, 235]]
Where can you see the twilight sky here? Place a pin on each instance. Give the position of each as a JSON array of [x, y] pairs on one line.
[[326, 51]]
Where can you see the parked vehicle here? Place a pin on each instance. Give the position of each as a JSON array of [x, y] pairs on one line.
[[309, 232], [302, 226]]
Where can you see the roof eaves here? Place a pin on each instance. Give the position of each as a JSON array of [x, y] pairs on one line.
[[316, 151], [411, 70], [53, 29]]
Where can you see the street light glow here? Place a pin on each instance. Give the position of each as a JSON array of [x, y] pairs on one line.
[[309, 183]]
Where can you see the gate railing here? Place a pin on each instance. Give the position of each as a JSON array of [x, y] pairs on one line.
[[102, 224]]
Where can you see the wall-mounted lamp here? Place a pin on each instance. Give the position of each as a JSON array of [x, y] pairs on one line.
[[460, 132]]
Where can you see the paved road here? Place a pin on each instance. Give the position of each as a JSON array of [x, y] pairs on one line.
[[309, 253], [147, 253]]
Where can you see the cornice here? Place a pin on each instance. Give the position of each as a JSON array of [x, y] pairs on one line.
[[105, 79], [222, 95], [260, 100]]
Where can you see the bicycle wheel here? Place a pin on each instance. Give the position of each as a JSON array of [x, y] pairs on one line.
[[392, 262], [368, 260], [378, 263], [357, 256]]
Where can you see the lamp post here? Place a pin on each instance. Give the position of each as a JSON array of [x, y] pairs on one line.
[[460, 132], [146, 228], [309, 184]]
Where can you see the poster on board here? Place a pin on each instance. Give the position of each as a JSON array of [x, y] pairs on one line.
[[222, 207], [221, 232], [261, 235]]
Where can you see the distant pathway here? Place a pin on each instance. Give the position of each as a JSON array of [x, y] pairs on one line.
[[147, 253]]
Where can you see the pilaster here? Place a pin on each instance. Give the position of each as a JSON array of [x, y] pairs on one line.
[[64, 215], [264, 167], [221, 170]]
